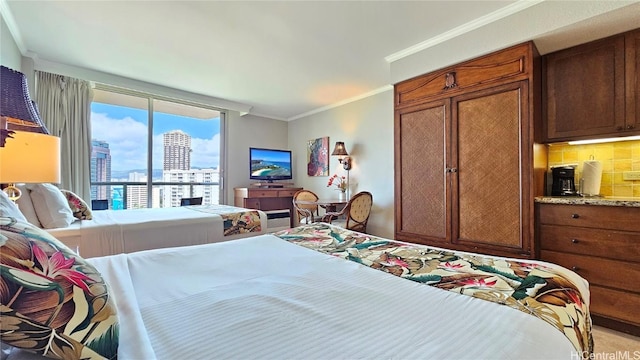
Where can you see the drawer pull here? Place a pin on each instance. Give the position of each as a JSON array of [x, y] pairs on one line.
[[575, 216], [575, 241], [575, 268]]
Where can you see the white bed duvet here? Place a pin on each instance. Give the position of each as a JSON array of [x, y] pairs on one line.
[[267, 298], [123, 231]]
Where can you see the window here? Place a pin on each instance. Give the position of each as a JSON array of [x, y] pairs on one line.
[[151, 152]]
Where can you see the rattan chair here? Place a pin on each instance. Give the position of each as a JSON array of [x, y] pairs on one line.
[[356, 212], [306, 213]]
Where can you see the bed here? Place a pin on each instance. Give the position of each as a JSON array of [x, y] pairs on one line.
[[112, 232], [93, 233], [322, 292]]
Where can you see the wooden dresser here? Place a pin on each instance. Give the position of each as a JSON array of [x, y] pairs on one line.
[[266, 199], [602, 244]]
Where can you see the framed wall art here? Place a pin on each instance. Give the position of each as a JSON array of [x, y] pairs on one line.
[[318, 157]]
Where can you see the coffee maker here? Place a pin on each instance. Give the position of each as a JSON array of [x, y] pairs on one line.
[[563, 181]]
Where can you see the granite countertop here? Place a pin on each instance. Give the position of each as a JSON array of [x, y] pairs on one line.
[[594, 200]]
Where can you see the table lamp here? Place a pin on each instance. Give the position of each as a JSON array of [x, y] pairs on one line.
[[29, 158], [27, 153]]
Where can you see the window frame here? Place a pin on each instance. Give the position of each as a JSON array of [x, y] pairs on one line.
[[150, 113]]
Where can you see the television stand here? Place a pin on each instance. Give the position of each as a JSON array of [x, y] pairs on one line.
[[266, 199]]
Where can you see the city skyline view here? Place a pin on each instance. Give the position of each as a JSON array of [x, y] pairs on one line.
[[125, 130], [177, 170]]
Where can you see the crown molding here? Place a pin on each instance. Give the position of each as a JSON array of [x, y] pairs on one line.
[[128, 83], [463, 29], [343, 102], [13, 27]]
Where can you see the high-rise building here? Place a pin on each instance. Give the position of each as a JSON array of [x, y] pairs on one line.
[[136, 194], [100, 169], [177, 169], [177, 150], [209, 193]]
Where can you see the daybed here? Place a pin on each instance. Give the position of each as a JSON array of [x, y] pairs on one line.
[[312, 292]]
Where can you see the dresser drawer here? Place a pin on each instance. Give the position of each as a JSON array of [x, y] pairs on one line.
[[615, 304], [257, 193], [598, 271], [251, 203], [591, 216], [286, 193], [617, 245]]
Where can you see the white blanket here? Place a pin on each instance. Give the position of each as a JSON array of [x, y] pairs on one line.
[[265, 298], [123, 231]]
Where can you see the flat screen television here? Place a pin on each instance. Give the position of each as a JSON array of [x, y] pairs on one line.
[[269, 164]]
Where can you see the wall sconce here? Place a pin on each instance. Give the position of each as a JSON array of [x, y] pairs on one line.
[[343, 155]]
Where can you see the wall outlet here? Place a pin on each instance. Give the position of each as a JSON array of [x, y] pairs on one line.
[[631, 175]]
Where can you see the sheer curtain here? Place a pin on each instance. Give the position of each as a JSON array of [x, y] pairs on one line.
[[65, 108]]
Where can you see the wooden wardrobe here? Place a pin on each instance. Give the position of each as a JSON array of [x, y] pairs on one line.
[[467, 167]]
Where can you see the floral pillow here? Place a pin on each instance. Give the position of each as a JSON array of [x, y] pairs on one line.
[[79, 208], [52, 302]]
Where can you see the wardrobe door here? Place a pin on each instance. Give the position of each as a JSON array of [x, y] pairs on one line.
[[422, 136], [490, 191]]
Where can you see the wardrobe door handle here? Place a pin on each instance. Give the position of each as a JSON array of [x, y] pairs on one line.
[[575, 216], [575, 241], [575, 268], [629, 127]]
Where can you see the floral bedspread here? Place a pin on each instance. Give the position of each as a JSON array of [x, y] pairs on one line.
[[235, 222], [532, 288]]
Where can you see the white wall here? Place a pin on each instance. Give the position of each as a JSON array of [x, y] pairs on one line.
[[9, 53], [247, 131], [366, 127]]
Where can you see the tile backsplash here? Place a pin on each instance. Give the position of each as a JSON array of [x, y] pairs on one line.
[[616, 157]]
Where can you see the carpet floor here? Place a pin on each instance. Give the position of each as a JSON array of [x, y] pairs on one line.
[[607, 341]]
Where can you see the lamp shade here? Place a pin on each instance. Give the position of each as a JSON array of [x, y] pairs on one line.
[[340, 150], [16, 104], [30, 158]]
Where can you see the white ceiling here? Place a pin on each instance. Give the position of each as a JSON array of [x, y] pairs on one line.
[[284, 59]]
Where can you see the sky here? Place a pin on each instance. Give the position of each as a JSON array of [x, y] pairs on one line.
[[125, 129]]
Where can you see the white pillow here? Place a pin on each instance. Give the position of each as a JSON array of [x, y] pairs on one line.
[[9, 209], [51, 206], [25, 204]]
